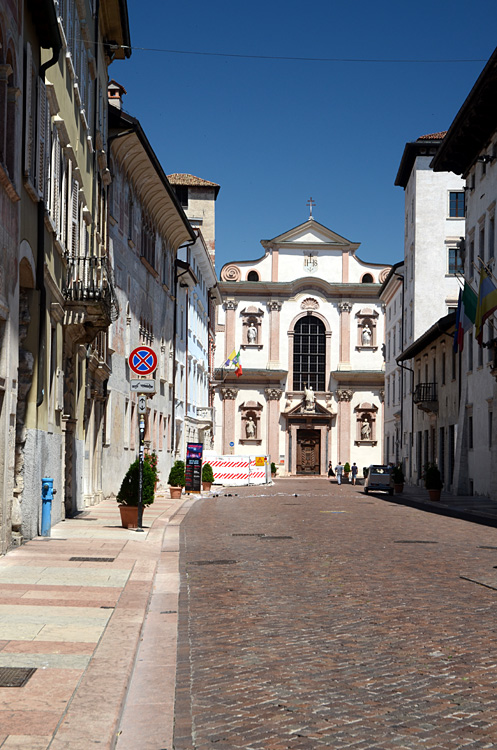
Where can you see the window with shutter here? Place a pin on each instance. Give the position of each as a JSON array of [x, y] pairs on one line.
[[74, 219], [30, 111], [42, 140]]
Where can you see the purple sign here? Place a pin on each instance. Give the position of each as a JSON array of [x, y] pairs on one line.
[[193, 469]]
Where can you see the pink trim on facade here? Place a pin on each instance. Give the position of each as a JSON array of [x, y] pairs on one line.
[[345, 266], [274, 333], [345, 332], [275, 256], [229, 412], [273, 430], [230, 331]]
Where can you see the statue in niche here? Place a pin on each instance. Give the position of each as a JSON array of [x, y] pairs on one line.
[[252, 334], [309, 398], [250, 428], [366, 335], [365, 430]]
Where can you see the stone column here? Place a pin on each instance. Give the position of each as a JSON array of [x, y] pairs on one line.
[[275, 254], [229, 415], [344, 397], [345, 266], [273, 396], [345, 309], [274, 307], [230, 306]]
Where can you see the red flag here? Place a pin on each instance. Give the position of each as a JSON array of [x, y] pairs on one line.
[[238, 370]]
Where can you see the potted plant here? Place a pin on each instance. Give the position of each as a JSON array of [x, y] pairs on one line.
[[176, 480], [433, 481], [207, 477], [398, 478], [273, 469], [128, 494], [346, 469]]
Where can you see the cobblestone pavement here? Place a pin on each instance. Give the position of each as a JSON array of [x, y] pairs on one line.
[[314, 616]]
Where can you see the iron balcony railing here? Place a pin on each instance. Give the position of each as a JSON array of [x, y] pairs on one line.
[[89, 279], [425, 393]]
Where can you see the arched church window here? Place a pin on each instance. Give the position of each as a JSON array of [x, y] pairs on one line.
[[309, 354], [253, 276], [367, 279]]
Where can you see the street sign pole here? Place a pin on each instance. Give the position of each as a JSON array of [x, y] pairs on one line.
[[140, 473]]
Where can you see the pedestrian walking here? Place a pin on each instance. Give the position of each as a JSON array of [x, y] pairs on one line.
[[339, 471], [354, 471], [331, 473]]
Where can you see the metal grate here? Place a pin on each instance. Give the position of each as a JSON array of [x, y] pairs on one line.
[[413, 541], [213, 562], [92, 559], [278, 537], [485, 547], [248, 535], [15, 676]]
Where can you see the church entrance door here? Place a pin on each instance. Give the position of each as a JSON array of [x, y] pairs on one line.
[[308, 451]]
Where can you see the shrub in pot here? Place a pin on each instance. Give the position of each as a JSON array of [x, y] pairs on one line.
[[176, 479], [273, 469], [433, 481], [207, 476], [398, 478], [346, 468], [127, 496]]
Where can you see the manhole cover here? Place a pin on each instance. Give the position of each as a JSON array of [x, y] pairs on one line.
[[92, 559], [248, 535], [15, 676], [213, 562], [413, 541], [277, 537]]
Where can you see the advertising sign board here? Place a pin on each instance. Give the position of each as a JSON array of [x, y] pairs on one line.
[[193, 468]]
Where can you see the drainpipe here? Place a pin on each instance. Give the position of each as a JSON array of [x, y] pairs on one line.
[[399, 276], [40, 267]]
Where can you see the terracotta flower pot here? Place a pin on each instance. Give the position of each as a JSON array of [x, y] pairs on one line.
[[175, 492], [434, 494], [206, 486], [129, 516]]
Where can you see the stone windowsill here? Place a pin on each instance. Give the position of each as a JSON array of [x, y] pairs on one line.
[[251, 346], [250, 441]]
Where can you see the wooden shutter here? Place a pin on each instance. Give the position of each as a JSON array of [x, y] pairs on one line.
[[75, 218], [29, 139], [42, 140]]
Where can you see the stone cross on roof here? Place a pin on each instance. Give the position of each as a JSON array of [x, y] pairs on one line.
[[310, 203]]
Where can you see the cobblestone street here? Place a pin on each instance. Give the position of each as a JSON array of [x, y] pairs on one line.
[[312, 615]]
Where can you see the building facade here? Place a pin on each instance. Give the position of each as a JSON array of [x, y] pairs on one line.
[[469, 150], [307, 323], [55, 295], [433, 247]]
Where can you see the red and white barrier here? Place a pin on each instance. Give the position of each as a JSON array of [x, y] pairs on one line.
[[236, 471]]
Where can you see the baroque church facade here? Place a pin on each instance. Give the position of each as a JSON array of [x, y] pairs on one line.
[[308, 325]]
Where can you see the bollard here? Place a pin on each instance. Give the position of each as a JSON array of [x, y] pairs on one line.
[[47, 493]]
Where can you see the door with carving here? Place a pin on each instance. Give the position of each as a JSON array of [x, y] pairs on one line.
[[308, 451]]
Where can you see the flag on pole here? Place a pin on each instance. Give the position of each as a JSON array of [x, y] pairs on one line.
[[466, 315], [238, 367], [230, 358], [487, 302]]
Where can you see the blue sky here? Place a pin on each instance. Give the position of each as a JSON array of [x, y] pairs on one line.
[[274, 132]]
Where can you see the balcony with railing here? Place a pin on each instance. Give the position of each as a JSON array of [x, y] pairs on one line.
[[425, 396], [91, 302]]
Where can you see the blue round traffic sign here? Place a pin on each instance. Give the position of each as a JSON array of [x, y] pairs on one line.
[[143, 360], [231, 445]]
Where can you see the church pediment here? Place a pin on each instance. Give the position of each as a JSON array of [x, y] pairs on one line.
[[311, 233]]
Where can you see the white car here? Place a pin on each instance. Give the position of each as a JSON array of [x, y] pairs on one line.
[[379, 478]]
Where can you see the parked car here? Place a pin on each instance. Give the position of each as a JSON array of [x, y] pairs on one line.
[[379, 478]]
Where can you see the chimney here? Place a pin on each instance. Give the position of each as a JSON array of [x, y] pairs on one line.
[[115, 94]]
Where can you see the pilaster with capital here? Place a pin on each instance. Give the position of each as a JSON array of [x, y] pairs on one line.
[[345, 310], [229, 413], [273, 396], [274, 307], [230, 306], [344, 398]]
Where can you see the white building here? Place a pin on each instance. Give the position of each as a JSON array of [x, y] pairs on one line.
[[470, 149], [308, 324], [196, 296], [434, 228], [391, 294]]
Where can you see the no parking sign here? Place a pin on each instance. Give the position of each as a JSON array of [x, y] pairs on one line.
[[143, 360]]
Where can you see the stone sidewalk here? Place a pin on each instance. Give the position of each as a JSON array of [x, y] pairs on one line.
[[77, 608], [94, 611]]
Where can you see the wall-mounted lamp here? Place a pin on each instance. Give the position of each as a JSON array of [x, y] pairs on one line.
[[486, 159]]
